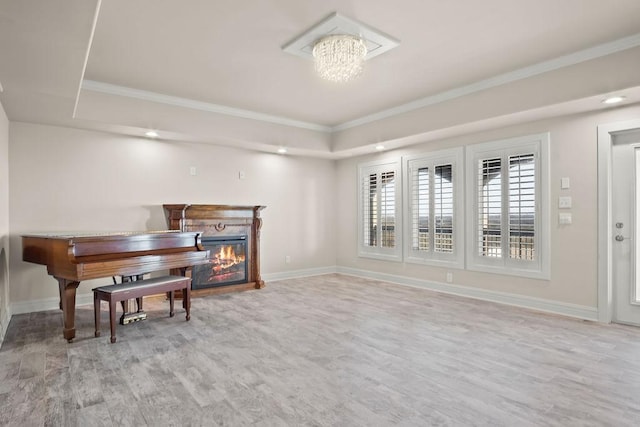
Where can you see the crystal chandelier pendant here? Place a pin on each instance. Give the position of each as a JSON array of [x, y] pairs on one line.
[[339, 58]]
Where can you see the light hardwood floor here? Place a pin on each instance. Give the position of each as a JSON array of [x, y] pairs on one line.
[[326, 350]]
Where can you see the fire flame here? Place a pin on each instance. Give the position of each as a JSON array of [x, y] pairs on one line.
[[227, 253], [225, 258]]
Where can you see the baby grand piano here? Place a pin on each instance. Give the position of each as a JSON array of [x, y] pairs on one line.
[[73, 258]]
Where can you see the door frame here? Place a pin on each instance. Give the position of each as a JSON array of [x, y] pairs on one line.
[[606, 133]]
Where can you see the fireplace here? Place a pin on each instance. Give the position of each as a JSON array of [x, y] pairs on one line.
[[232, 236], [227, 262]]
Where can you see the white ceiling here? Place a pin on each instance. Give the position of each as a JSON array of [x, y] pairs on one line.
[[215, 72]]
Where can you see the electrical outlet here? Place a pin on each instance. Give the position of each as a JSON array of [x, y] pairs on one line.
[[241, 175], [449, 277], [564, 202], [287, 259]]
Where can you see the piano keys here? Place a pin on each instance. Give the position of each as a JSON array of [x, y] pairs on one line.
[[72, 258]]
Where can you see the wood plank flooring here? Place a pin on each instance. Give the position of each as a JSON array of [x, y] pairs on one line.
[[329, 350]]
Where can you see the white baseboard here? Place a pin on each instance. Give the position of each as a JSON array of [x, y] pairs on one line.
[[274, 277], [45, 304], [53, 303], [539, 304], [4, 323]]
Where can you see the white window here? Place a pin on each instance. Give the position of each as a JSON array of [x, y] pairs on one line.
[[379, 218], [508, 192], [434, 213]]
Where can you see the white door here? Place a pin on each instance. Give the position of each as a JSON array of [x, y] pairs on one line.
[[626, 227]]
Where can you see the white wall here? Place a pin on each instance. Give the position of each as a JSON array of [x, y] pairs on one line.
[[71, 180], [5, 314], [65, 179], [573, 283]]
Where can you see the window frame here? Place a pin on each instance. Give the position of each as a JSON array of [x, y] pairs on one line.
[[454, 157], [538, 145], [380, 252]]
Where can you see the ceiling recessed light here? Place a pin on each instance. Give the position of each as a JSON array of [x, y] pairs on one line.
[[379, 147], [614, 99], [282, 150], [151, 134]]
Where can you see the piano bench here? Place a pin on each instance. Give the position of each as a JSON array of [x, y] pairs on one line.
[[138, 289]]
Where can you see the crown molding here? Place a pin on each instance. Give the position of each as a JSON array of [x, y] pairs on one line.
[[501, 79], [584, 55], [176, 101]]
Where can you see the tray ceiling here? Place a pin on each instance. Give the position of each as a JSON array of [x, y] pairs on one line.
[[216, 71]]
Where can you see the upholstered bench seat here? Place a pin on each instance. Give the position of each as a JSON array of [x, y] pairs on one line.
[[138, 289]]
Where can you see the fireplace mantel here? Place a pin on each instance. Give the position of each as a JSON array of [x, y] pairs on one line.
[[219, 221]]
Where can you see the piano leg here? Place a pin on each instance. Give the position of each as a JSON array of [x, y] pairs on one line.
[[68, 305]]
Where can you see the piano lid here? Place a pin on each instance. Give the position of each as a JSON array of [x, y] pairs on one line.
[[48, 248], [82, 234]]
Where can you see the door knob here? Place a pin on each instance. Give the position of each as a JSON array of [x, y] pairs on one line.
[[620, 238]]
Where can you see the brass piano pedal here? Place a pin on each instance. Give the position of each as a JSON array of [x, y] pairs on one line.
[[132, 317]]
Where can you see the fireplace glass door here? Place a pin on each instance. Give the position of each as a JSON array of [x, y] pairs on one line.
[[227, 262]]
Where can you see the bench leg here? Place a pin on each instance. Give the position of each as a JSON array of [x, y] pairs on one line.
[[96, 313], [172, 299], [187, 301], [112, 319]]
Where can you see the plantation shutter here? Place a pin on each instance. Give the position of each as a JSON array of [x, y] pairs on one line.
[[522, 204], [420, 230], [434, 208], [370, 210], [379, 205], [388, 209], [490, 207], [509, 231], [443, 209]]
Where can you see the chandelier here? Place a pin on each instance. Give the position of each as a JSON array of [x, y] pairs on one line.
[[339, 57]]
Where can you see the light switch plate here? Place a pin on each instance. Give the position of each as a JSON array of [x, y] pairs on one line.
[[565, 183], [564, 218]]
